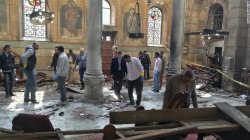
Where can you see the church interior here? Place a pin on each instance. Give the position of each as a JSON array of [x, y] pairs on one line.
[[107, 69]]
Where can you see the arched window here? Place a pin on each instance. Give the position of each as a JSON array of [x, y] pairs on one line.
[[31, 31], [106, 13], [154, 25], [218, 18]]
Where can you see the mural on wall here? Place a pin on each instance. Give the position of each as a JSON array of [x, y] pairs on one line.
[[131, 22], [3, 17], [71, 20]]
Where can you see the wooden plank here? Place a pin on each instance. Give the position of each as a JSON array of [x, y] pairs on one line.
[[120, 134], [78, 132], [191, 114], [60, 134], [235, 114], [163, 133], [200, 129], [218, 128], [205, 123]]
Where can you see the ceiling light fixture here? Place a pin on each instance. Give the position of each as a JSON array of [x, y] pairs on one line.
[[38, 16]]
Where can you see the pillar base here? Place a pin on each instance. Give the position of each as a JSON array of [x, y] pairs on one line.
[[229, 85], [171, 73], [94, 86]]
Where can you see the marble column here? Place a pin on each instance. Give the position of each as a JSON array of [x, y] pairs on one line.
[[177, 37], [93, 76]]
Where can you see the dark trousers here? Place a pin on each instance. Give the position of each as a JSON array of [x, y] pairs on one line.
[[118, 84], [81, 73], [138, 85], [8, 82], [62, 88], [146, 72]]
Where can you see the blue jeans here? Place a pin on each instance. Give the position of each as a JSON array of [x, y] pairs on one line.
[[156, 85], [30, 85], [61, 84]]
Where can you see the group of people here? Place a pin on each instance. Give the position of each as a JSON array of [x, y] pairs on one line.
[[136, 70], [131, 67], [122, 66], [62, 64], [74, 62]]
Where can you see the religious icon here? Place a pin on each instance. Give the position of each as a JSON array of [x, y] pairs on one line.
[[131, 22], [71, 19]]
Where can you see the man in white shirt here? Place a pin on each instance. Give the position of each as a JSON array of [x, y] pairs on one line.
[[157, 72], [135, 73]]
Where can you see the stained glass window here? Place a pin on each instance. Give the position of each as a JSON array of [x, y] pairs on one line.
[[154, 25], [218, 18], [31, 31], [106, 13]]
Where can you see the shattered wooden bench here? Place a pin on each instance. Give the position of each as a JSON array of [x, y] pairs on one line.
[[223, 121]]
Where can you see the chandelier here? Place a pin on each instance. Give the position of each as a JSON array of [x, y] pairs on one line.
[[38, 16]]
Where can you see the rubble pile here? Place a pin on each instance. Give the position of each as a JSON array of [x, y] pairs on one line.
[[207, 79]]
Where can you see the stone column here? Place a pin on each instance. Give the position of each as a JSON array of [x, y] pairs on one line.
[[93, 76], [177, 37], [236, 44]]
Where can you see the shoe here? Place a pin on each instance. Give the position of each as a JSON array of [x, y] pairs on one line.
[[63, 102], [7, 96], [26, 101], [130, 103], [156, 91], [82, 88], [12, 94], [34, 102]]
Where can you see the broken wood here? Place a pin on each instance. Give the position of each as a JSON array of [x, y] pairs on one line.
[[60, 135], [235, 114], [120, 134], [163, 133], [174, 115]]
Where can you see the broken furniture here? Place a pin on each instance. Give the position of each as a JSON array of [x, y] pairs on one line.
[[224, 122]]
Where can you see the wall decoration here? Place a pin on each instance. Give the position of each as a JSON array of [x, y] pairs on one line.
[[71, 20], [3, 17], [131, 22]]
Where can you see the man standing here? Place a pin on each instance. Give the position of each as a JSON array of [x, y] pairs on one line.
[[62, 70], [162, 68], [182, 84], [157, 72], [7, 66], [117, 71], [135, 73], [114, 54], [54, 60], [29, 63], [53, 65], [72, 59], [142, 59], [147, 65], [81, 63]]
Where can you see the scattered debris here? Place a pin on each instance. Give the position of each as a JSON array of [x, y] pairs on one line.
[[206, 79], [61, 114]]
